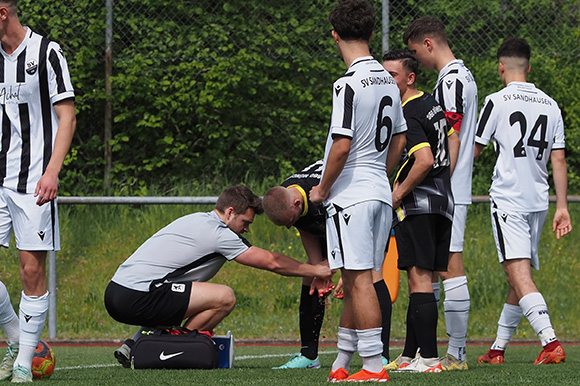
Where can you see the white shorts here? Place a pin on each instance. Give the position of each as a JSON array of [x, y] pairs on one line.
[[517, 235], [356, 236], [35, 227], [458, 228]]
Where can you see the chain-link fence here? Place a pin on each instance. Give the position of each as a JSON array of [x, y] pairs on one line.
[[202, 36], [474, 28]]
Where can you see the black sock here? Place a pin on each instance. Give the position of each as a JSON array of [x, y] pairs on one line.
[[411, 345], [423, 307], [311, 318], [386, 309]]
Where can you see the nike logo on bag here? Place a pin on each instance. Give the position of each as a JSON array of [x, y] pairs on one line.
[[164, 357]]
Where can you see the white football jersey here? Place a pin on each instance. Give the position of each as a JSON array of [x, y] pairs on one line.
[[32, 79], [366, 107], [525, 125], [456, 92]]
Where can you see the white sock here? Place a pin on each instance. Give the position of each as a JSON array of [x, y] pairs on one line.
[[33, 310], [535, 310], [347, 346], [456, 307], [8, 319], [437, 292], [370, 348], [509, 320]]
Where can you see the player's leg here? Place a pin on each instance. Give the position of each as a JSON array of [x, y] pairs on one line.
[[33, 309], [312, 308], [457, 299], [509, 320], [362, 253], [386, 307], [11, 326], [360, 301], [311, 315], [36, 231]]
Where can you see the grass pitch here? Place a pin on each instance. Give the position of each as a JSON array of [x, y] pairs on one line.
[[95, 365]]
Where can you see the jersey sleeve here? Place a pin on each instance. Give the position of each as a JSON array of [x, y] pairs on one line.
[[342, 119], [559, 141], [60, 86], [416, 138], [230, 244], [486, 124], [399, 121]]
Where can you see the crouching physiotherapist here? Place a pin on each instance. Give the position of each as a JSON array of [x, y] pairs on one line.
[[165, 281]]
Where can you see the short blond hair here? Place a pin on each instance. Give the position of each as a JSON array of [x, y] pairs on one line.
[[276, 202]]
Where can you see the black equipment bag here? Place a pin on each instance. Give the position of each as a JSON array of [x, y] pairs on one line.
[[174, 348]]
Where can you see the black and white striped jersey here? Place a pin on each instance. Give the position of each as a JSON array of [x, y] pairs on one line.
[[32, 79], [366, 107]]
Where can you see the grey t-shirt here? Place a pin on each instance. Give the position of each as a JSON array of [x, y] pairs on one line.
[[175, 249]]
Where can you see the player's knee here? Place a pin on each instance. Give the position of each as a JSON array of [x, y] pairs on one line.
[[228, 299]]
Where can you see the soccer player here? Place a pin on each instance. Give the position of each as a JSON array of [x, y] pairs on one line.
[[423, 205], [456, 93], [288, 205], [165, 280], [526, 128], [38, 122], [366, 123]]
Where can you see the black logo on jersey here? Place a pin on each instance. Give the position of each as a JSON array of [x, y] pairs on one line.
[[27, 318], [449, 84], [504, 217], [41, 235], [346, 217], [338, 89], [31, 67], [333, 254]]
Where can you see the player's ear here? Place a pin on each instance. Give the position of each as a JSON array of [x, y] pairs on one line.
[[428, 44], [411, 78], [529, 68], [4, 13], [335, 36]]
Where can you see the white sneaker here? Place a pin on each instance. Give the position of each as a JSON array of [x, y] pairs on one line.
[[8, 362], [422, 365]]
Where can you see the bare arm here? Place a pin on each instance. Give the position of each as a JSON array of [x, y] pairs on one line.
[[282, 264], [477, 150], [421, 167], [396, 147], [47, 186], [334, 164], [313, 250], [454, 143], [561, 224], [312, 247]]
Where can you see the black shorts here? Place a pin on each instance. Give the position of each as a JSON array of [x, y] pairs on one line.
[[423, 241], [164, 306]]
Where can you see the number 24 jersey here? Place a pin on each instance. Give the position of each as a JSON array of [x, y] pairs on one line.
[[525, 125]]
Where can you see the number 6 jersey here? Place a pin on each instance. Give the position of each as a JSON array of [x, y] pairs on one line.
[[525, 125], [366, 107]]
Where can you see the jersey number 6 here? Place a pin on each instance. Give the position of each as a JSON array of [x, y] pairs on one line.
[[383, 120]]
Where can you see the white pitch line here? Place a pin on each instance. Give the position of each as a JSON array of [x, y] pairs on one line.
[[239, 358]]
